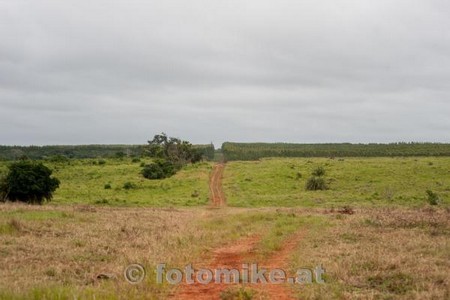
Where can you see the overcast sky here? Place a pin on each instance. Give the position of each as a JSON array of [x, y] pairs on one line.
[[121, 71]]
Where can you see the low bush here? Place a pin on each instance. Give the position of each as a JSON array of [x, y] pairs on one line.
[[315, 183], [159, 169]]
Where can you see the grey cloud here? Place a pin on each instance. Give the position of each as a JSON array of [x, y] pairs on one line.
[[299, 71]]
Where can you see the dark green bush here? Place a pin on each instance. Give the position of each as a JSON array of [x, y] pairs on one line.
[[315, 183], [135, 160], [159, 169], [28, 182], [101, 162], [107, 186]]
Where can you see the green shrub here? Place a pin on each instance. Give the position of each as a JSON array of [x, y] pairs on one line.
[[135, 160], [433, 198], [107, 186], [315, 183], [101, 162], [128, 185], [28, 182], [159, 169]]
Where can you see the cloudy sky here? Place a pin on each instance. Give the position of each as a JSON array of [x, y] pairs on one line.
[[120, 71]]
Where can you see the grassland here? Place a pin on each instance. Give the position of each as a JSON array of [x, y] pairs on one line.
[[51, 251], [61, 252], [83, 181], [394, 245], [351, 181]]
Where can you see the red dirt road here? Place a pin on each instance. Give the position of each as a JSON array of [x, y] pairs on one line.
[[215, 186], [234, 255], [230, 257]]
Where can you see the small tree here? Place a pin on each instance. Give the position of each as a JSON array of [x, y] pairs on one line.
[[170, 155], [172, 149], [28, 182]]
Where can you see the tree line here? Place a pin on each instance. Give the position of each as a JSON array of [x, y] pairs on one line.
[[58, 152], [255, 151]]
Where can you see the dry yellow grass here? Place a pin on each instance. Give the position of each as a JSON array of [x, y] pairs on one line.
[[380, 254], [71, 246], [57, 252]]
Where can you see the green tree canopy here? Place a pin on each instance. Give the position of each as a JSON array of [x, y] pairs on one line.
[[28, 182]]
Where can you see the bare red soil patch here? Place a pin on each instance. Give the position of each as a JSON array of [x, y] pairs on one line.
[[230, 257]]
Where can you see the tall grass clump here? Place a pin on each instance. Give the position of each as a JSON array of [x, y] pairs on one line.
[[316, 181]]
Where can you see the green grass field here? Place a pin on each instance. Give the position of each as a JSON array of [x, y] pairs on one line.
[[274, 182], [351, 181], [84, 182]]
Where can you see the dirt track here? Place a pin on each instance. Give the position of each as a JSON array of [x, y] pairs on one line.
[[215, 186], [234, 255]]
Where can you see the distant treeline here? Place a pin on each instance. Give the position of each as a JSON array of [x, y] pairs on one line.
[[84, 151], [254, 151]]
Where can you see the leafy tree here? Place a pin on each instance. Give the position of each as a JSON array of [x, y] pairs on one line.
[[173, 149], [28, 182], [171, 155]]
